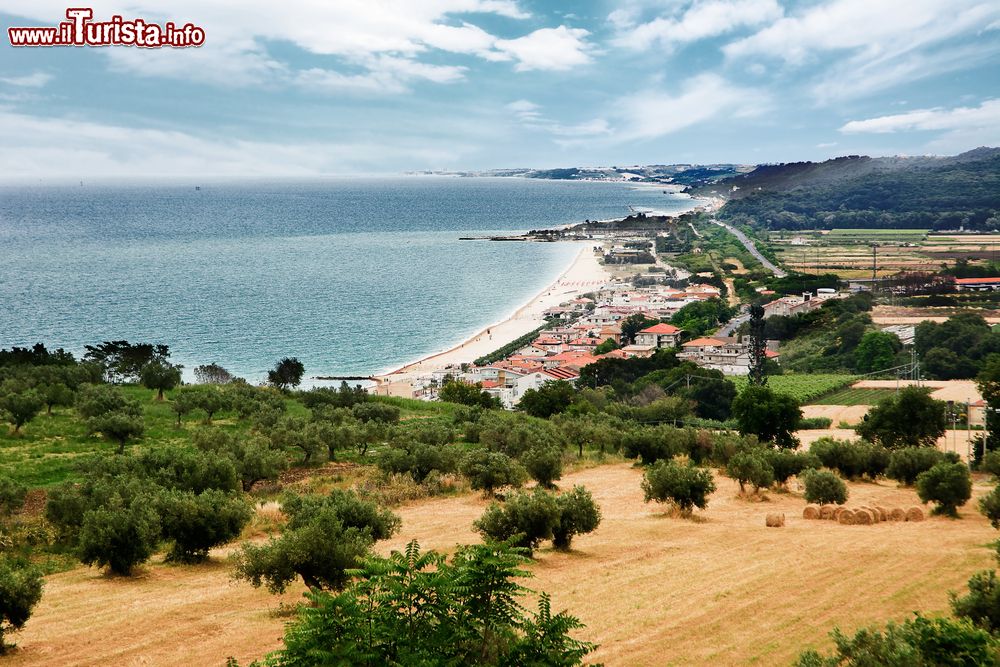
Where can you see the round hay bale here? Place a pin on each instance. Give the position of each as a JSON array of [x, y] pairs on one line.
[[811, 511], [863, 517], [883, 513], [826, 511], [837, 512], [846, 517], [897, 514], [873, 512], [774, 520], [914, 514]]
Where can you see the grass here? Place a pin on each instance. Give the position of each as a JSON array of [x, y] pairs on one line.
[[851, 396], [879, 233], [44, 452], [804, 388]]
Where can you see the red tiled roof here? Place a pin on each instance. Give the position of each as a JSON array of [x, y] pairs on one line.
[[703, 342], [562, 373], [977, 281], [771, 354], [661, 329]]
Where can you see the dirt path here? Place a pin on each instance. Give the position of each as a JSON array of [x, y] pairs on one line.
[[652, 590]]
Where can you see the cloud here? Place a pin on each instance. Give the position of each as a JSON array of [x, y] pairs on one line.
[[33, 80], [356, 31], [64, 148], [555, 49], [873, 45], [653, 114], [698, 21], [986, 115]]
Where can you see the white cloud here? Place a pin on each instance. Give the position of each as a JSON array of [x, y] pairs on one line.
[[33, 80], [653, 114], [358, 31], [63, 148], [985, 116], [698, 21], [557, 49]]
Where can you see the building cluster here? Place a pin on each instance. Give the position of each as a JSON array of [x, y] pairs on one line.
[[580, 326]]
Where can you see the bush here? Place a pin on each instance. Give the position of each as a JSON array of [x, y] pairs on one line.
[[578, 514], [948, 485], [824, 487], [787, 463], [906, 464], [197, 523], [119, 537], [751, 467], [991, 463], [807, 423], [488, 471], [418, 459], [989, 505], [377, 412], [544, 464], [852, 459], [12, 495], [649, 444], [982, 605], [187, 469], [20, 591], [686, 487], [524, 520]]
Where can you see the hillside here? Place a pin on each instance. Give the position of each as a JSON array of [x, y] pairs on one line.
[[958, 192]]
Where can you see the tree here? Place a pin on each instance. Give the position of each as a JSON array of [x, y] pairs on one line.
[[455, 391], [210, 399], [161, 376], [286, 374], [758, 347], [21, 407], [184, 402], [578, 514], [468, 614], [787, 463], [876, 351], [988, 383], [607, 345], [982, 605], [906, 464], [488, 471], [325, 537], [212, 374], [948, 485], [123, 361], [632, 325], [255, 460], [20, 591], [382, 413], [118, 427], [119, 537], [910, 418], [544, 464], [290, 433], [771, 417], [989, 505], [824, 487], [199, 522], [56, 393], [751, 467], [686, 487], [12, 495], [551, 398], [524, 520]]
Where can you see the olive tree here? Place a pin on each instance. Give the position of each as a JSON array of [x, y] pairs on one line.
[[685, 486], [20, 591]]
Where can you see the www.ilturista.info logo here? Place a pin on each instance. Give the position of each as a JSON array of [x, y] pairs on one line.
[[81, 30]]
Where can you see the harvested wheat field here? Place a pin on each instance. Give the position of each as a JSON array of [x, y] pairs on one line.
[[716, 590]]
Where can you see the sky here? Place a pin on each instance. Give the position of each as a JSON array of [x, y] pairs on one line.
[[329, 87]]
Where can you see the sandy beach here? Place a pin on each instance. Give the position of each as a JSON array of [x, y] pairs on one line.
[[585, 274]]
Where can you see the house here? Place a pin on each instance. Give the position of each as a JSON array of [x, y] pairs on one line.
[[637, 350], [727, 354], [511, 396], [977, 284], [658, 336]]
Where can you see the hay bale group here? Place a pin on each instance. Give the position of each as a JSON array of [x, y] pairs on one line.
[[865, 515]]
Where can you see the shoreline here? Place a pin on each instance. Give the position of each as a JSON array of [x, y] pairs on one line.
[[584, 274]]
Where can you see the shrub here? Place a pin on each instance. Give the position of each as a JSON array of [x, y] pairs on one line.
[[324, 538], [982, 605], [378, 412], [807, 423], [544, 464], [578, 514], [907, 463], [197, 523], [187, 469], [648, 444], [12, 495], [851, 459], [20, 591], [524, 520], [787, 463], [948, 485], [751, 467], [418, 459], [989, 505], [824, 487], [119, 537], [488, 471], [991, 463], [686, 487]]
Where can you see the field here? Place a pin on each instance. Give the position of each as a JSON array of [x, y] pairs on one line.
[[652, 590], [804, 388], [852, 396]]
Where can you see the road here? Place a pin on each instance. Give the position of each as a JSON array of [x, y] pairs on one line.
[[752, 249]]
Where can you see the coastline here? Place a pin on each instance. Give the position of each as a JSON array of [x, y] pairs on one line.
[[583, 275]]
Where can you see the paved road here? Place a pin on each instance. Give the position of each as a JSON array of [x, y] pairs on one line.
[[752, 249]]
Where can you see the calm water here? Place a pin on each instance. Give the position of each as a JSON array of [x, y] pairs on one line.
[[353, 276]]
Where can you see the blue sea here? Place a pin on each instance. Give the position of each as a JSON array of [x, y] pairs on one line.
[[353, 276]]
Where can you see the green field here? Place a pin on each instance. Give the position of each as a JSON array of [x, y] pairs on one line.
[[909, 234], [851, 396], [804, 388]]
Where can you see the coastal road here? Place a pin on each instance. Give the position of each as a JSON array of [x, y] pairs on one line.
[[732, 325], [752, 249]]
